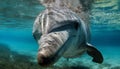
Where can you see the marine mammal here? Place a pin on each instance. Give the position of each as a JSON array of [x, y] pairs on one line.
[[60, 31]]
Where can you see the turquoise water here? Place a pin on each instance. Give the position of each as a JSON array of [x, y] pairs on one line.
[[18, 49]]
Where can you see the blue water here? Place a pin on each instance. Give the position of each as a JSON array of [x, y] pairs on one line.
[[19, 40], [17, 18]]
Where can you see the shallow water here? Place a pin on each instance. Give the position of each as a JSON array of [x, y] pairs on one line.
[[17, 43]]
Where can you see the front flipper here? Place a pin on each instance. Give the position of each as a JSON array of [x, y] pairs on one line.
[[93, 52]]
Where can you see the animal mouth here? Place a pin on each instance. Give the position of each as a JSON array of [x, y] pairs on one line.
[[47, 55], [45, 61]]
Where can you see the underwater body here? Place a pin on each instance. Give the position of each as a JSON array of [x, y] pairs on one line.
[[17, 43]]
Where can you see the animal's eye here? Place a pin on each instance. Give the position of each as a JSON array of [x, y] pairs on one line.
[[76, 25]]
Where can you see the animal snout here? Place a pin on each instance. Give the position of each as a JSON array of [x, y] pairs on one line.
[[45, 61]]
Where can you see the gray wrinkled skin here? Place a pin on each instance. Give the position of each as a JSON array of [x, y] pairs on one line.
[[59, 32]]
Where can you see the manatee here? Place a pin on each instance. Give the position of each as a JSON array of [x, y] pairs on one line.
[[62, 31]]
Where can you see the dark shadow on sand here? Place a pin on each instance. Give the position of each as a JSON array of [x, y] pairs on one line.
[[75, 67], [79, 67], [116, 67]]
